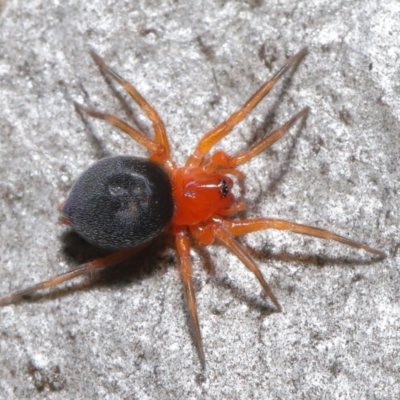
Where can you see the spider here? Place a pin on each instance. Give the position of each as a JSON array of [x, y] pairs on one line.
[[122, 203]]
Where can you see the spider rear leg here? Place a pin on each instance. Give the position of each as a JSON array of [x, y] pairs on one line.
[[150, 144], [218, 133], [243, 227], [158, 125], [185, 267], [84, 269]]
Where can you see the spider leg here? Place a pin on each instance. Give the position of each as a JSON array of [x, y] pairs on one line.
[[66, 276], [151, 145], [158, 125], [218, 133], [242, 227], [183, 249], [221, 159], [238, 249]]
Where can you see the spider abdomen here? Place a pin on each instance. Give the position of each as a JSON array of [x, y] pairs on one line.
[[120, 202]]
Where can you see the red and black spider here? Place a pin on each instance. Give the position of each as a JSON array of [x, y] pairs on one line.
[[123, 202]]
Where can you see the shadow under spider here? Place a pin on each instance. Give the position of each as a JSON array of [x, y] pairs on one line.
[[145, 264], [77, 251], [317, 260], [211, 267]]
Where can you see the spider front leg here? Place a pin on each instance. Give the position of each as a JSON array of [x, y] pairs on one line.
[[206, 235], [218, 133], [238, 249], [185, 267], [243, 227], [222, 160], [84, 269]]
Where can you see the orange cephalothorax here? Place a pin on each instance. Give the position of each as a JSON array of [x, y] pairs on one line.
[[198, 195]]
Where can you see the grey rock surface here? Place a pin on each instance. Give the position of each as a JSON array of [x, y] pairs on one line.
[[124, 334]]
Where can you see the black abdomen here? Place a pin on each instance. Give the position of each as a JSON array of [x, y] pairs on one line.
[[120, 202]]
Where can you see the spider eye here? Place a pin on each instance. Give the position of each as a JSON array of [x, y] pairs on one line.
[[224, 188]]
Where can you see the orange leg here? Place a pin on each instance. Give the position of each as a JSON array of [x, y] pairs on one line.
[[243, 227], [214, 136], [151, 145], [183, 249], [158, 125], [227, 239], [222, 160], [91, 266]]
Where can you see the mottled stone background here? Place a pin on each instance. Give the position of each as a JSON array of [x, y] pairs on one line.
[[125, 334]]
